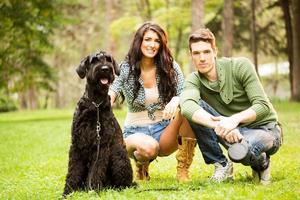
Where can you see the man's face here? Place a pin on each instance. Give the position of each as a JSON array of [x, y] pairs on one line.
[[203, 57]]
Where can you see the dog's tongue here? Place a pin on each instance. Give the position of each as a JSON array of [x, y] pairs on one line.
[[104, 81]]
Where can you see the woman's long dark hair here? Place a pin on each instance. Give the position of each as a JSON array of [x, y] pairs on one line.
[[163, 60]]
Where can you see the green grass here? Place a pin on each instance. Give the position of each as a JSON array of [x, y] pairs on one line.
[[34, 155]]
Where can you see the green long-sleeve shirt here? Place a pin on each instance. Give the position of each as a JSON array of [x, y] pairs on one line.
[[238, 88]]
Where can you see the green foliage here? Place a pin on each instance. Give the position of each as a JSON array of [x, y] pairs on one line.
[[7, 105], [34, 156], [127, 23], [41, 42], [25, 29], [269, 25]]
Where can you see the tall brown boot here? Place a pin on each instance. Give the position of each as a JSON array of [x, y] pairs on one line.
[[141, 169], [184, 156]]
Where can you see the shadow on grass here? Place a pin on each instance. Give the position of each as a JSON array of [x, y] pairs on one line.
[[37, 119]]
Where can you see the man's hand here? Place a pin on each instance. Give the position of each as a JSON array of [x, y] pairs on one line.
[[171, 108], [225, 125], [234, 136]]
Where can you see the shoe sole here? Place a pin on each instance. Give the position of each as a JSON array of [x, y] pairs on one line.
[[238, 152]]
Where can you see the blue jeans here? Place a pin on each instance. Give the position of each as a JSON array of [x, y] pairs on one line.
[[257, 139], [154, 130]]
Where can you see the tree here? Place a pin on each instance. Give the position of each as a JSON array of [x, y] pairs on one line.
[[254, 34], [285, 6], [197, 14], [197, 18], [227, 28], [80, 34], [144, 9], [112, 9], [24, 39], [295, 10]]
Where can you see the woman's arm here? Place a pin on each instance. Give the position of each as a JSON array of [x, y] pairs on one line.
[[113, 97]]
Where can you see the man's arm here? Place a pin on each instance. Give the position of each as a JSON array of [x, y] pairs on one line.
[[246, 116], [204, 118], [190, 108], [247, 76], [189, 103], [249, 81], [226, 124]]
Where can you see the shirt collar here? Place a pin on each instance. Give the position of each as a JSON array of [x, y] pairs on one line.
[[225, 79]]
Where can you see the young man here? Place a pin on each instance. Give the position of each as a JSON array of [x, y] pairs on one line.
[[225, 103]]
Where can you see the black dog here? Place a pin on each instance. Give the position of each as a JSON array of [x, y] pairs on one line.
[[97, 158]]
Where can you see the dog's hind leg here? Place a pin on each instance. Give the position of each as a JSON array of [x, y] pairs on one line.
[[77, 172], [121, 169]]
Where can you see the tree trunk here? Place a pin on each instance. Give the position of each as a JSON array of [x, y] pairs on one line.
[[112, 11], [178, 43], [59, 101], [197, 19], [23, 100], [285, 4], [197, 14], [295, 95], [168, 21], [32, 98], [227, 27], [254, 35], [59, 94], [144, 5]]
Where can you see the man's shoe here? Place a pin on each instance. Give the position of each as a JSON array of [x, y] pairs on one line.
[[238, 152], [222, 173], [263, 176]]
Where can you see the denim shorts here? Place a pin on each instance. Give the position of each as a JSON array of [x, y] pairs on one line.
[[154, 130]]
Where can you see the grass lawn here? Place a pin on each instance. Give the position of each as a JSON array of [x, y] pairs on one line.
[[34, 155]]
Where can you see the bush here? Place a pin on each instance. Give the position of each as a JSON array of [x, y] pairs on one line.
[[7, 105]]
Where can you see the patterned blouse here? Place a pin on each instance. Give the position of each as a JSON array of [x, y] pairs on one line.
[[121, 84]]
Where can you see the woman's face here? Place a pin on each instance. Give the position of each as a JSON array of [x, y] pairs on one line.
[[150, 44]]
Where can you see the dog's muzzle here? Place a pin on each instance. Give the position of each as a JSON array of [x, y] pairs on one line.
[[104, 70], [102, 74]]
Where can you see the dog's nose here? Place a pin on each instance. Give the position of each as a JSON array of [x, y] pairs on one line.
[[105, 68]]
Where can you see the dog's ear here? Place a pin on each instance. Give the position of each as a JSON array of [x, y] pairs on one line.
[[83, 67], [116, 66]]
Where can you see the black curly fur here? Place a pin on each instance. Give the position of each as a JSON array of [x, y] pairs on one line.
[[112, 168]]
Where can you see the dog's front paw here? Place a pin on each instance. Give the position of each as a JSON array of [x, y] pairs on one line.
[[134, 185]]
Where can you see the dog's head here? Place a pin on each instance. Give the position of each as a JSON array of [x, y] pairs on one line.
[[99, 69]]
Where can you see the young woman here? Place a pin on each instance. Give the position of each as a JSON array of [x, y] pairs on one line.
[[151, 83]]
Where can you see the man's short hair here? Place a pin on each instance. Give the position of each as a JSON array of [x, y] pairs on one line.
[[203, 34]]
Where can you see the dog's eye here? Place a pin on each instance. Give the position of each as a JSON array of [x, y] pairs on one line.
[[93, 59], [108, 58]]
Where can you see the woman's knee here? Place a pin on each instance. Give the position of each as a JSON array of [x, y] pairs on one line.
[[143, 145], [148, 149]]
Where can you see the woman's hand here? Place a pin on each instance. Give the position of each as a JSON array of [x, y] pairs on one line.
[[171, 108], [113, 97]]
